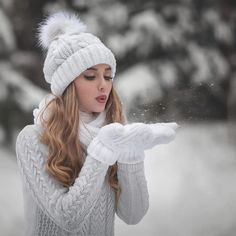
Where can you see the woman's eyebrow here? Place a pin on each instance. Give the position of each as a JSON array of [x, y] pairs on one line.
[[93, 68]]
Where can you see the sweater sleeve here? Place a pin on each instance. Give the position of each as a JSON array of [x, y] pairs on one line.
[[67, 207], [133, 202]]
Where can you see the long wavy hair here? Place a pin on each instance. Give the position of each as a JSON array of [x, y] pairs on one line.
[[66, 154]]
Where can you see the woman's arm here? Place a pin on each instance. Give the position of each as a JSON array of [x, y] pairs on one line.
[[68, 208], [134, 199]]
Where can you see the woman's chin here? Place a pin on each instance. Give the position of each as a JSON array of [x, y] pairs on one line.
[[98, 109]]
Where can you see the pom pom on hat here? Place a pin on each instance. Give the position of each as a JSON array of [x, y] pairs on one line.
[[58, 24]]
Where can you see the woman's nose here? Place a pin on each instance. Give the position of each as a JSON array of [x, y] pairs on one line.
[[102, 84]]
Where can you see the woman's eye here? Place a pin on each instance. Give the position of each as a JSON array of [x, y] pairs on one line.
[[89, 77], [93, 77], [108, 77]]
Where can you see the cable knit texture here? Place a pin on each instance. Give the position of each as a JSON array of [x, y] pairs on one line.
[[87, 207]]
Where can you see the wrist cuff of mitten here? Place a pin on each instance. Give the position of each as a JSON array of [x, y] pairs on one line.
[[100, 152], [130, 168], [131, 157]]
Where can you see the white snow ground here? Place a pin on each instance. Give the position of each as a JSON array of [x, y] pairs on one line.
[[191, 187]]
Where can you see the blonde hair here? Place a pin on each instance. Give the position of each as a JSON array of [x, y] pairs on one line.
[[66, 154]]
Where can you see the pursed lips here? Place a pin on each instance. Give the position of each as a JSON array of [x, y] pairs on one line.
[[101, 98]]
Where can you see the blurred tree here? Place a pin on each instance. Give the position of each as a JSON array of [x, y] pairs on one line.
[[188, 46]]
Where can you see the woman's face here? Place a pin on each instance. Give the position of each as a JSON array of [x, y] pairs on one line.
[[93, 87]]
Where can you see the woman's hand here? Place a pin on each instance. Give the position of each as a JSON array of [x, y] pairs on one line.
[[163, 133], [138, 136], [145, 136], [124, 142]]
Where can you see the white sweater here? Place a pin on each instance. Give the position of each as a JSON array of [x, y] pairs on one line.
[[88, 207]]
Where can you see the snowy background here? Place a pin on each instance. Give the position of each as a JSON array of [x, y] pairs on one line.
[[176, 61], [191, 186]]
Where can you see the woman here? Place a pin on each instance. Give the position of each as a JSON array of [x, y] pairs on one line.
[[80, 163]]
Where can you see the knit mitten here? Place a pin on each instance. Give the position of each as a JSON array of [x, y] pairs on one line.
[[127, 143], [115, 139], [103, 146], [145, 136], [163, 133]]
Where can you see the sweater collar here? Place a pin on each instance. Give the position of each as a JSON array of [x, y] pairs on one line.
[[87, 117], [90, 125]]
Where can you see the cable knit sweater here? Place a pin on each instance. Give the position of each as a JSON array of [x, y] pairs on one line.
[[85, 208]]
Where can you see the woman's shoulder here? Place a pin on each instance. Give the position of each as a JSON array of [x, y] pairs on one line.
[[28, 141], [29, 133]]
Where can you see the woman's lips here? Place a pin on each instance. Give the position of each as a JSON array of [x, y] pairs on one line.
[[101, 99]]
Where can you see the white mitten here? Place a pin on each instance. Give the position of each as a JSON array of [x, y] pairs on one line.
[[136, 135], [127, 143], [102, 147], [113, 140], [163, 133], [145, 136]]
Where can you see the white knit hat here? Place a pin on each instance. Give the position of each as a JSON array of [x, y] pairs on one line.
[[71, 50]]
